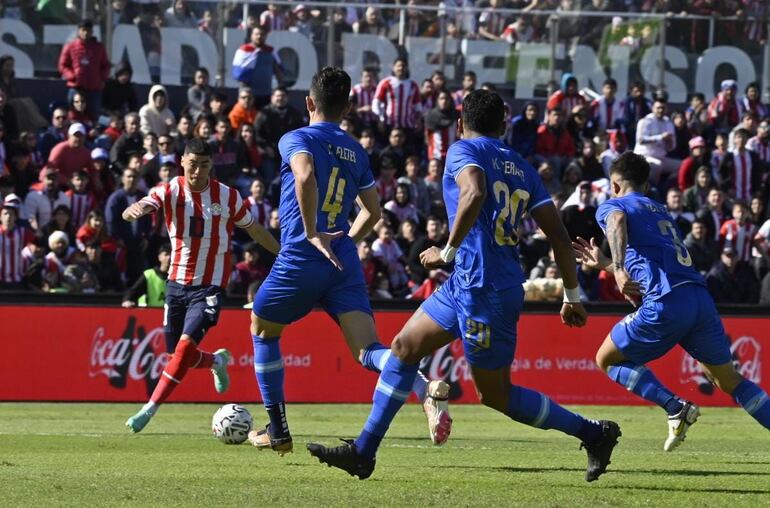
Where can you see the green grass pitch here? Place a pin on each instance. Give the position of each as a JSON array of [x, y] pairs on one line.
[[81, 455]]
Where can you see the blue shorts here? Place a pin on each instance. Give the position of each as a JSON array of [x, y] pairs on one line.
[[484, 318], [296, 285], [686, 316], [190, 310]]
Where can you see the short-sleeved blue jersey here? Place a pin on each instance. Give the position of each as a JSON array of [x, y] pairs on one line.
[[341, 168], [488, 257], [656, 256]]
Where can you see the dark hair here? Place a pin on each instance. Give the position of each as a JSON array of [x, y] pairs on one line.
[[218, 96], [251, 248], [632, 168], [330, 89], [486, 85], [483, 112], [437, 73], [742, 132], [611, 82], [370, 70], [279, 89], [86, 23], [699, 96], [401, 59], [197, 146], [405, 188], [204, 70], [469, 74], [165, 248], [753, 84], [369, 133], [638, 84], [749, 114]]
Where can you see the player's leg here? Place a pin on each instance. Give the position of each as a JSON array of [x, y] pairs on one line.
[[420, 336], [361, 338], [753, 399], [204, 306]]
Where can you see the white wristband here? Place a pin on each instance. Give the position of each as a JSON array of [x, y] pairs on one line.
[[448, 253], [571, 295]]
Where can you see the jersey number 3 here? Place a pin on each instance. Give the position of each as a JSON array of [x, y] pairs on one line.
[[332, 204], [509, 209], [682, 254]]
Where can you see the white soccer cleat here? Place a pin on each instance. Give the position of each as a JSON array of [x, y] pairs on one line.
[[436, 408], [678, 425]]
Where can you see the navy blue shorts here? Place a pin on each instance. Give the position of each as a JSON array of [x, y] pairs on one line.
[[686, 316], [190, 310], [484, 318], [294, 286]]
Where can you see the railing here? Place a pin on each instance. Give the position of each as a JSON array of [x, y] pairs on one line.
[[681, 54]]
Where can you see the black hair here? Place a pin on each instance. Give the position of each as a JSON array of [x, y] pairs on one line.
[[488, 86], [469, 74], [632, 168], [330, 89], [699, 96], [86, 23], [437, 73], [611, 82], [401, 59], [483, 112], [251, 248], [219, 96], [204, 70], [742, 132], [165, 248], [370, 70], [749, 114], [753, 84], [197, 146], [638, 84], [406, 188], [279, 89]]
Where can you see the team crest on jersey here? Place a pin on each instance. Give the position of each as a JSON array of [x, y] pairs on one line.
[[216, 209]]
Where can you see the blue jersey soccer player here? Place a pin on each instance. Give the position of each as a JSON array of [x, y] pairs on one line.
[[651, 263], [318, 264], [487, 188]]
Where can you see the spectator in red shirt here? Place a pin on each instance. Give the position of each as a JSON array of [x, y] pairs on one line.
[[690, 165], [567, 97], [723, 110], [247, 271], [70, 155], [84, 65], [554, 142]]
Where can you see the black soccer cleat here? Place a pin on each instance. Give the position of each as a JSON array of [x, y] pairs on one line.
[[599, 452], [344, 457]]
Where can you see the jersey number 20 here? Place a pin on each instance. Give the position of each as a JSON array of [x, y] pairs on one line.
[[509, 209], [682, 254], [332, 204]]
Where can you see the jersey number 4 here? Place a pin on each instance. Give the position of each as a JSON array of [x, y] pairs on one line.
[[332, 204], [509, 210], [682, 254]]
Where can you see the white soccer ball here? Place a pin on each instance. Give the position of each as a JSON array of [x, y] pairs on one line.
[[231, 424]]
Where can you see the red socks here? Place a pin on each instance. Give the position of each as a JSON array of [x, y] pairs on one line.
[[186, 355]]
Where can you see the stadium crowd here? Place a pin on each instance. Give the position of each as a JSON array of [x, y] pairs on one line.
[[64, 188]]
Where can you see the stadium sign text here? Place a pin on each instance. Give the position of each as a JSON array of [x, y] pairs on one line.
[[497, 62]]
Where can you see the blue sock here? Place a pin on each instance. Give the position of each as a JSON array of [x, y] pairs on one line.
[[376, 356], [392, 390], [268, 367], [537, 410], [754, 400], [641, 381]]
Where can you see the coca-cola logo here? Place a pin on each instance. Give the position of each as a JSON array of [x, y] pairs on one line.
[[447, 363], [746, 352], [143, 356]]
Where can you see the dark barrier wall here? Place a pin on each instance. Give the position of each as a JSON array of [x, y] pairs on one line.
[[87, 353]]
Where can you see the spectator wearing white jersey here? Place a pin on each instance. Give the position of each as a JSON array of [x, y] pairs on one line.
[[362, 97], [42, 198], [738, 233], [654, 139], [397, 99]]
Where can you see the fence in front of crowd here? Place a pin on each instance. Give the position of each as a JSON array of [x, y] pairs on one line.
[[681, 54]]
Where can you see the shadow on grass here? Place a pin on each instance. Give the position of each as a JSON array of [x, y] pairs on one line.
[[673, 472], [687, 489]]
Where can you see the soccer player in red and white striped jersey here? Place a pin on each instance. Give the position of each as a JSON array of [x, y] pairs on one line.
[[13, 238], [200, 215], [397, 99], [738, 232], [80, 200], [362, 97]]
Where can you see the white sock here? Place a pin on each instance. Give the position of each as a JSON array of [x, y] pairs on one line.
[[151, 408], [420, 386]]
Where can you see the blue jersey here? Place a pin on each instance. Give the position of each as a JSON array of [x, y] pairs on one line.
[[341, 168], [656, 256], [488, 257]]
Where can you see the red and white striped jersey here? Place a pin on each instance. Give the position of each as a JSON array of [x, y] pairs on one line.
[[742, 177], [397, 102], [200, 226], [260, 211], [386, 190], [12, 263], [364, 96], [758, 147], [762, 240], [493, 21], [607, 115], [80, 205], [439, 140], [739, 237], [270, 21]]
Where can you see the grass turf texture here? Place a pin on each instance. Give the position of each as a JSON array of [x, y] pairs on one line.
[[80, 454]]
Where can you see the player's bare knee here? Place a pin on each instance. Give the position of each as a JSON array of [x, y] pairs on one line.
[[403, 349]]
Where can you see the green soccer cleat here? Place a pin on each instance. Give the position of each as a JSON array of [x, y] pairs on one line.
[[221, 378], [139, 421]]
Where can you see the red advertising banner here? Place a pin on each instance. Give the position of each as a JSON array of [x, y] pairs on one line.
[[113, 354]]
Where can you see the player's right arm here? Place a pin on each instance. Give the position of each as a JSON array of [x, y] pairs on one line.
[[148, 204], [370, 213], [547, 217], [306, 189]]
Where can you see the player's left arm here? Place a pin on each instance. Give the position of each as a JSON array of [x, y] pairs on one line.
[[370, 214], [473, 192], [617, 236], [547, 217], [262, 236]]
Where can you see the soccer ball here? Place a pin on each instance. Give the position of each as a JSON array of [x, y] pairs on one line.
[[231, 424]]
